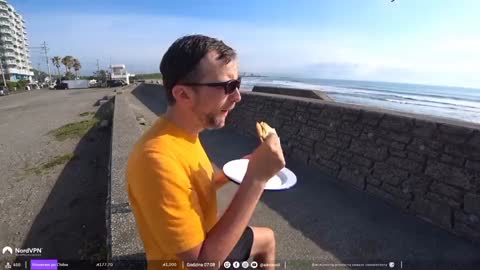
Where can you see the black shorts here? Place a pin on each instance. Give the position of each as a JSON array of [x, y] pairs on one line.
[[241, 251]]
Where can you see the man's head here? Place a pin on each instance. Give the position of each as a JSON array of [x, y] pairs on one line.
[[193, 61]]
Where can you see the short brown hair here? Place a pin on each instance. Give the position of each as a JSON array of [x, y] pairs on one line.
[[180, 62]]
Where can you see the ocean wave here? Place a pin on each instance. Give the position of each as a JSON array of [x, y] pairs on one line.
[[432, 100]]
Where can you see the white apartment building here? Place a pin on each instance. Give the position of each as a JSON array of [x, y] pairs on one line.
[[14, 51]]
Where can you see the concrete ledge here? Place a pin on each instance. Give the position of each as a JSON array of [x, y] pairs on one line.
[[426, 166], [296, 92], [123, 240]]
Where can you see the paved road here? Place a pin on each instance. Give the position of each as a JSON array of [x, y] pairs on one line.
[[60, 210], [322, 221]]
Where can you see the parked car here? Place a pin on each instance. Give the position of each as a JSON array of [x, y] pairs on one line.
[[115, 83], [4, 91], [61, 86]]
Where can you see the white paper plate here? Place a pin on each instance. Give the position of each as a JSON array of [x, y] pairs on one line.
[[236, 169]]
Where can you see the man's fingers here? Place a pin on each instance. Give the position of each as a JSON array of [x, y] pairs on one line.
[[259, 130]]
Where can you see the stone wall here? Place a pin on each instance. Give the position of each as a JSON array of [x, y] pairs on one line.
[[429, 167]]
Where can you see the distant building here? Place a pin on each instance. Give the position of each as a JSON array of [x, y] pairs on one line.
[[14, 51], [119, 72]]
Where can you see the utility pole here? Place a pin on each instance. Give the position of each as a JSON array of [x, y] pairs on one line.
[[45, 50], [38, 73], [98, 67], [3, 73]]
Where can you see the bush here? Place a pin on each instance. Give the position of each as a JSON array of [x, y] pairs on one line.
[[18, 85], [12, 86], [21, 84]]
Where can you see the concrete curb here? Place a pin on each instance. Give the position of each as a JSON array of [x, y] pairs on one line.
[[123, 240]]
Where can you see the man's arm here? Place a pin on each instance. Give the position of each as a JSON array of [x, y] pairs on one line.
[[219, 177], [266, 161]]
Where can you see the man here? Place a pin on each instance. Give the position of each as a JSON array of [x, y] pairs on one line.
[[171, 182]]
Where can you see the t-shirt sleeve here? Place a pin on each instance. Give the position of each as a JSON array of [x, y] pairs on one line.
[[166, 203]]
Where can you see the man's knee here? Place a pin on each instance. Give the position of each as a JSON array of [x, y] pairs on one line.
[[264, 239], [271, 238]]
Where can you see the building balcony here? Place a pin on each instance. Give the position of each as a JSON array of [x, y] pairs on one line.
[[6, 39], [10, 62], [21, 71], [6, 31], [9, 47], [9, 54]]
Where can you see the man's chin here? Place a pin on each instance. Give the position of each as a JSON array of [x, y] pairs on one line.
[[217, 124]]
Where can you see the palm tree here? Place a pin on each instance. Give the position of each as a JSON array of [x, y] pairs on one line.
[[57, 60], [67, 61], [77, 66]]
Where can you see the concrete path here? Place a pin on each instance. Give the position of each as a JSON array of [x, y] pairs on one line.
[[321, 221], [62, 208]]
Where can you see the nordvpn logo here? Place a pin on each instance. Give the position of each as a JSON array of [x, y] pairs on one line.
[[7, 249]]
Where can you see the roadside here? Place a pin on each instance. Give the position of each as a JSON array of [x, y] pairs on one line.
[[54, 163]]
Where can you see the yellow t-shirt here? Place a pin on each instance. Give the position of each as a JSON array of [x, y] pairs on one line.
[[170, 188]]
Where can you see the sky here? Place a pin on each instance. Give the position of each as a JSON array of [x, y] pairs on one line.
[[428, 41]]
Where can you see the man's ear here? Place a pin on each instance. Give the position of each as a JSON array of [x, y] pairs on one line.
[[182, 94]]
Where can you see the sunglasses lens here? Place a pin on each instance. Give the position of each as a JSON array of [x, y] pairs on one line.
[[232, 86]]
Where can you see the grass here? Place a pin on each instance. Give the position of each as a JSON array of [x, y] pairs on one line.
[[58, 160], [87, 114], [149, 76], [74, 130]]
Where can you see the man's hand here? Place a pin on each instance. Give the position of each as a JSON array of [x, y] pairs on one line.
[[267, 160], [247, 156], [219, 177]]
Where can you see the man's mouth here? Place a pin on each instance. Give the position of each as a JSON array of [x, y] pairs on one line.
[[227, 111]]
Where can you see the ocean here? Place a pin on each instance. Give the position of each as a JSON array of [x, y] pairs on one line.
[[449, 102]]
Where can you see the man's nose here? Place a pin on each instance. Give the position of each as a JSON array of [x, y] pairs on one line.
[[236, 96]]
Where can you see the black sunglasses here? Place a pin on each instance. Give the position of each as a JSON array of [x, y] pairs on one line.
[[229, 86]]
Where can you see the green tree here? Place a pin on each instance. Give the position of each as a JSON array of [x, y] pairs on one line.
[[101, 75], [77, 66], [57, 61], [67, 61], [69, 76], [39, 75]]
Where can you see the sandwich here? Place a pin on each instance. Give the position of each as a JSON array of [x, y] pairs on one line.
[[264, 130]]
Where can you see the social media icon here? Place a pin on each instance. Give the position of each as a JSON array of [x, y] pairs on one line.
[[245, 265], [227, 264], [7, 249], [8, 266], [236, 264], [391, 264], [254, 265]]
